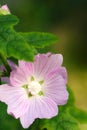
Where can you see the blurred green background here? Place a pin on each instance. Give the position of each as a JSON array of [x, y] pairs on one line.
[[68, 20]]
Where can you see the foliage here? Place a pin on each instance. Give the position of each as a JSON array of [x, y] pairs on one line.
[[20, 45]]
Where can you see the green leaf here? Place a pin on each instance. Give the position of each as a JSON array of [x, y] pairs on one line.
[[38, 39], [8, 20], [3, 45], [19, 49], [71, 99], [12, 44], [80, 115], [21, 45], [77, 113]]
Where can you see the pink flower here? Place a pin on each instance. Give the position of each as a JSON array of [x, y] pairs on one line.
[[4, 10], [36, 89]]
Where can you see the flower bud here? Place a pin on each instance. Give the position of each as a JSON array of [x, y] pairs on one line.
[[4, 10]]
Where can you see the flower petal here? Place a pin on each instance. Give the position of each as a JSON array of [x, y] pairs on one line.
[[16, 99], [40, 107], [18, 78], [46, 63], [60, 71], [63, 73], [21, 75], [26, 67], [55, 88]]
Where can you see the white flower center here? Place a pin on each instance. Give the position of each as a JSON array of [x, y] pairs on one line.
[[34, 88]]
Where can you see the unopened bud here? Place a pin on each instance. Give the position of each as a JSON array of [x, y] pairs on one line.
[[4, 10]]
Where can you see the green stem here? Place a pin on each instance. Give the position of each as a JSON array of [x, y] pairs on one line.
[[0, 80], [4, 61]]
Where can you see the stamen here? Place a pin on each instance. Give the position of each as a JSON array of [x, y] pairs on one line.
[[25, 86], [32, 78], [40, 93], [34, 87], [41, 82]]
